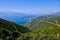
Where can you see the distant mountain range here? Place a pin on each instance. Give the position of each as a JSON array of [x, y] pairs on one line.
[[22, 18], [19, 18]]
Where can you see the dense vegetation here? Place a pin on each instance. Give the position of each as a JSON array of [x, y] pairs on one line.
[[41, 29], [43, 21], [11, 29], [11, 26]]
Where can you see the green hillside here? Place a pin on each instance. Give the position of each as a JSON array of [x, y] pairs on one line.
[[11, 29], [44, 21], [11, 26], [45, 28]]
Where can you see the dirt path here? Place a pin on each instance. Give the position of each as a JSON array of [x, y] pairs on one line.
[[53, 23]]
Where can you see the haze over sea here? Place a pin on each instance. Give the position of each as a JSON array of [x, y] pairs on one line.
[[27, 9]]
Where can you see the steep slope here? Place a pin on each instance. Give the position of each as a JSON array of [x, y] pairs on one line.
[[11, 26], [44, 21], [50, 31]]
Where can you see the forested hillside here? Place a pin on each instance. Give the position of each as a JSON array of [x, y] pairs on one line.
[[42, 29], [43, 21], [11, 30]]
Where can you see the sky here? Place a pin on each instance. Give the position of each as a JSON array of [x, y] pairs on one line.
[[30, 6]]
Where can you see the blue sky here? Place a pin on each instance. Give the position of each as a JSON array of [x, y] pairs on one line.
[[30, 6]]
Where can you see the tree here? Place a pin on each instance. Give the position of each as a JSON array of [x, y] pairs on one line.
[[15, 35], [4, 34]]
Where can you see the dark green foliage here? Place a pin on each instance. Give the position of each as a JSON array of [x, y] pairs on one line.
[[4, 34], [15, 35], [10, 30], [10, 38], [11, 26]]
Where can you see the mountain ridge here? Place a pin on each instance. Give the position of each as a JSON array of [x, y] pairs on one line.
[[12, 26], [40, 21]]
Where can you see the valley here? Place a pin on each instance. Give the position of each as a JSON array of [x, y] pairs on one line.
[[29, 19], [41, 28]]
